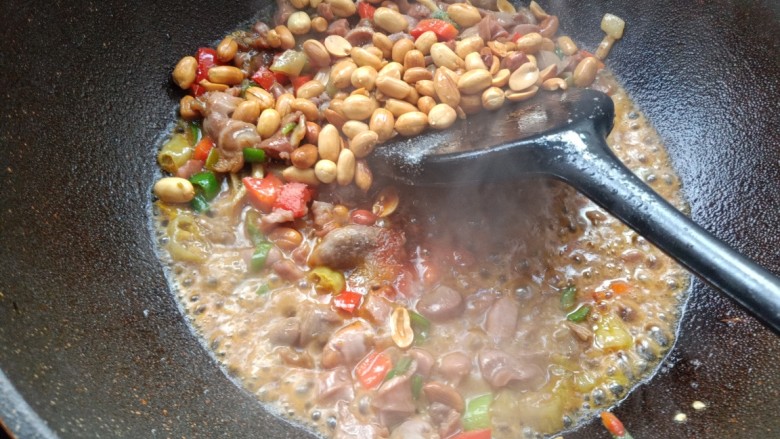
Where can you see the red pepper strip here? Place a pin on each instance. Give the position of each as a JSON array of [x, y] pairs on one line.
[[613, 424], [293, 196], [372, 369], [263, 192], [365, 10], [347, 301], [207, 58], [475, 434], [300, 80], [264, 77], [202, 149], [443, 30]]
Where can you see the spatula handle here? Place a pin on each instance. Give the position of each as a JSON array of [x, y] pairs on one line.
[[592, 168]]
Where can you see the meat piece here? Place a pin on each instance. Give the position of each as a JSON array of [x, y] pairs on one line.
[[394, 401], [325, 11], [376, 308], [418, 12], [287, 270], [454, 367], [339, 27], [446, 418], [345, 247], [350, 427], [424, 360], [362, 33], [285, 332], [490, 29], [283, 11], [414, 428], [335, 385], [317, 322], [191, 167], [277, 145], [294, 358], [321, 212], [347, 346], [524, 29], [501, 319], [231, 142], [277, 216], [439, 392], [441, 304], [500, 369]]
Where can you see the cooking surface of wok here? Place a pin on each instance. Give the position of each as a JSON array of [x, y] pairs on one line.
[[92, 343]]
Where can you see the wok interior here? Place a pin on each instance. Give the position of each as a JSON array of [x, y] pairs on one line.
[[92, 339]]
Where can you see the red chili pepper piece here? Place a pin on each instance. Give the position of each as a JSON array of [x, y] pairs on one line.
[[300, 80], [365, 10], [444, 31], [347, 301], [202, 149], [293, 197], [264, 77], [263, 192], [207, 58], [613, 424], [372, 369]]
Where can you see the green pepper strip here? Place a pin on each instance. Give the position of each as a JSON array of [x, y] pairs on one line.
[[260, 255], [199, 203], [568, 298], [443, 16], [477, 415], [579, 314], [262, 289], [254, 155], [288, 128], [207, 182], [420, 325], [417, 384], [212, 159], [400, 368], [254, 233], [195, 132]]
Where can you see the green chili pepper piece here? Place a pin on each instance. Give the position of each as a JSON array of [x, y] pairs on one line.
[[327, 280], [254, 234], [262, 289], [195, 132], [287, 129], [254, 155], [477, 415], [417, 384], [199, 203], [245, 84], [207, 182], [212, 159], [260, 255], [400, 368], [442, 15], [579, 314], [420, 325], [568, 298]]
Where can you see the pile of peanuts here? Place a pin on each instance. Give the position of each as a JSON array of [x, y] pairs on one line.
[[387, 88]]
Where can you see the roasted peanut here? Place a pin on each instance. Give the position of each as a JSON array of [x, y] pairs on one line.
[[304, 157], [392, 69], [399, 107], [585, 72], [264, 98], [286, 38], [226, 49], [185, 72], [474, 43], [286, 238], [363, 57], [341, 73], [299, 23], [464, 14], [268, 122], [317, 53], [394, 88], [441, 116], [345, 167], [537, 10], [474, 81], [187, 109], [424, 42], [329, 143], [390, 20], [283, 104], [227, 75], [549, 26], [312, 132], [400, 48], [311, 89], [337, 45], [567, 45], [319, 24], [471, 104], [174, 190], [446, 88], [493, 98], [411, 123], [326, 171], [415, 74], [247, 111], [529, 43], [382, 123], [364, 77], [363, 144], [474, 61], [501, 78], [359, 107], [342, 8], [305, 176], [517, 96], [443, 56], [401, 328], [425, 88], [353, 127], [307, 107], [553, 84], [425, 104], [383, 43], [414, 58], [524, 77], [364, 178]]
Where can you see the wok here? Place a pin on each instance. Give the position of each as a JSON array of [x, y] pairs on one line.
[[92, 342]]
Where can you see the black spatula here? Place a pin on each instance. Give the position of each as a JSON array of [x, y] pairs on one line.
[[563, 136]]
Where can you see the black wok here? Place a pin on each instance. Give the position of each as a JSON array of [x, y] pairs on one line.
[[92, 342]]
